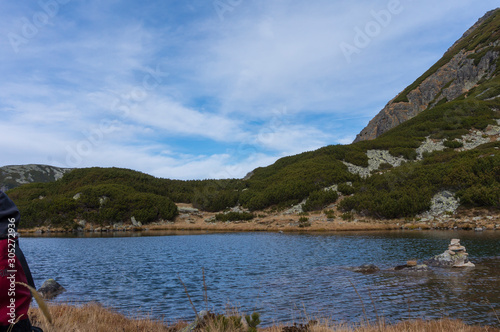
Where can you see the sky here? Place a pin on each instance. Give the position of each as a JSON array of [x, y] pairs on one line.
[[198, 89]]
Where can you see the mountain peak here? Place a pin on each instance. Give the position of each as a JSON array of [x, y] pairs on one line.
[[472, 59]]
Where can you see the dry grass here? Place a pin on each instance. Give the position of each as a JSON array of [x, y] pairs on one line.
[[94, 317], [441, 325]]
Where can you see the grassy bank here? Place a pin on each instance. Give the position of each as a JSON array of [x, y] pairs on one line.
[[319, 221], [94, 317]]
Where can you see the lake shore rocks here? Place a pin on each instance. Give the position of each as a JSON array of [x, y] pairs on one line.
[[455, 256], [412, 265]]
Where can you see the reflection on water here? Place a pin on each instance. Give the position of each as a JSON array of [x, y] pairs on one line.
[[278, 275]]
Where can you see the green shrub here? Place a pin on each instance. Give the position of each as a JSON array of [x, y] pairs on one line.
[[212, 198], [347, 216], [481, 196], [407, 153], [304, 222], [330, 214], [346, 189], [384, 166], [453, 144], [319, 199], [253, 321]]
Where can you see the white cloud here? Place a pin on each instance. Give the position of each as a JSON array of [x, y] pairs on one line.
[[292, 139], [172, 118]]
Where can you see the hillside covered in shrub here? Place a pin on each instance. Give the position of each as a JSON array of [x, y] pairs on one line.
[[452, 145]]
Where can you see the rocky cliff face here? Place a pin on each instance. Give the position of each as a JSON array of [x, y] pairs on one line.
[[13, 176], [473, 58]]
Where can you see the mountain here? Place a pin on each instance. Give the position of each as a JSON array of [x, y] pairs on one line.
[[15, 175], [444, 157], [472, 60]]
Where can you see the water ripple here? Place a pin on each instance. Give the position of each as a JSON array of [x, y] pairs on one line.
[[286, 277]]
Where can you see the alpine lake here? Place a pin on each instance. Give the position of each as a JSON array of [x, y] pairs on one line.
[[285, 277]]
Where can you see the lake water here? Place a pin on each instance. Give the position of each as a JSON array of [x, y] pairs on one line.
[[285, 277]]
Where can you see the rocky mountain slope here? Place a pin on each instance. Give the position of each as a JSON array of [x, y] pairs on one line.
[[15, 175], [473, 59], [442, 161]]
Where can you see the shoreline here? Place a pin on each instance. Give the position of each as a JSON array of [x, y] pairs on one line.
[[96, 317], [192, 219]]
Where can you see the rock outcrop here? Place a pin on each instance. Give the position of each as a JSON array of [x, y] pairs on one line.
[[455, 256], [375, 159], [456, 73], [16, 175], [443, 202]]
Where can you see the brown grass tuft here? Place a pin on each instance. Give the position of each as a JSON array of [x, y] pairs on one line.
[[39, 300], [94, 317]]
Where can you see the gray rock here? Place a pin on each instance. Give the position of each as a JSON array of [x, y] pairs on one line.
[[296, 209], [135, 222], [103, 200], [238, 209], [417, 268], [428, 146], [365, 268], [188, 210], [50, 289], [210, 220], [375, 159], [15, 175], [442, 203]]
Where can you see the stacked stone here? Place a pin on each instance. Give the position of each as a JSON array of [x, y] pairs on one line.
[[458, 254], [455, 256]]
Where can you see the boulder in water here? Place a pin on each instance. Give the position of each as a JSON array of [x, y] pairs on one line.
[[50, 289]]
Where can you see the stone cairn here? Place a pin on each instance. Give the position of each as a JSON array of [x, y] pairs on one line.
[[457, 250], [455, 256]]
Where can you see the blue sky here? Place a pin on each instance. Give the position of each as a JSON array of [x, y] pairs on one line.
[[207, 89]]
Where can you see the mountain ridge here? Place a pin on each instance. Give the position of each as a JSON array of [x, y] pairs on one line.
[[468, 61], [12, 176]]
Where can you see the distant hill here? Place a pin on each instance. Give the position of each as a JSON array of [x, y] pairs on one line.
[[105, 196], [445, 152], [15, 175], [472, 61]]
